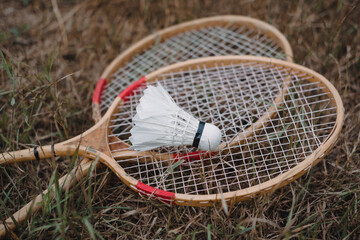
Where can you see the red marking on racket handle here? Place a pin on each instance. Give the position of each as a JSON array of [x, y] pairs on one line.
[[192, 156], [129, 90], [98, 90], [147, 190]]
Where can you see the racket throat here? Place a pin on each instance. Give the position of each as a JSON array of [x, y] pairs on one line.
[[94, 140]]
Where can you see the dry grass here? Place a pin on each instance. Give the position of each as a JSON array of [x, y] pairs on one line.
[[54, 52]]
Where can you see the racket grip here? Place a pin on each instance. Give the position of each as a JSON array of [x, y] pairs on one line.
[[35, 205], [34, 154]]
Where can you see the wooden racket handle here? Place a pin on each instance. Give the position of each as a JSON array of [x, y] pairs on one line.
[[35, 205], [71, 149], [35, 153]]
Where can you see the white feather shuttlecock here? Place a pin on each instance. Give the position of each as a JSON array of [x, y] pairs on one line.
[[160, 122]]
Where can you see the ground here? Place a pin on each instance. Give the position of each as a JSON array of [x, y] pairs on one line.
[[53, 52]]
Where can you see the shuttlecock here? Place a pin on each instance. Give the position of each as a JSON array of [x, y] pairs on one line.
[[160, 122]]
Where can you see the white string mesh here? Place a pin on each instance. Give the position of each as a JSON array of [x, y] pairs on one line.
[[233, 97], [205, 42]]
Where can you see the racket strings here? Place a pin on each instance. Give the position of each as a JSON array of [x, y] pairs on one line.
[[195, 93], [211, 41], [304, 118]]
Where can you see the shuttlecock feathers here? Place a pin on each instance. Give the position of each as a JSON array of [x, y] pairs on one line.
[[160, 122]]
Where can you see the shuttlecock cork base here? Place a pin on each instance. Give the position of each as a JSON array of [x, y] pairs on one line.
[[160, 122]]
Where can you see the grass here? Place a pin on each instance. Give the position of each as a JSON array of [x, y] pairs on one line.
[[46, 86]]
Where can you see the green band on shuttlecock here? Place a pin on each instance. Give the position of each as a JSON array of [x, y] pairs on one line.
[[198, 134]]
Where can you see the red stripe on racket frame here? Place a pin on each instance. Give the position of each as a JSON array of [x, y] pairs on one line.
[[130, 90], [147, 190], [192, 156], [98, 90]]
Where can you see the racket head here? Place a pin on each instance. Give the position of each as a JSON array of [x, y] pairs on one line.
[[213, 36], [307, 123]]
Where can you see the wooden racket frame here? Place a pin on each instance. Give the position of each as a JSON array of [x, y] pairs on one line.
[[94, 142], [91, 138], [270, 185], [142, 45], [162, 35]]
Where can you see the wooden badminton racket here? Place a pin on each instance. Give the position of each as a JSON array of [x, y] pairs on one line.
[[206, 37], [213, 36], [304, 118]]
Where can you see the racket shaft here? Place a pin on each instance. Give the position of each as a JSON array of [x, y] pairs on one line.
[[72, 149], [32, 154]]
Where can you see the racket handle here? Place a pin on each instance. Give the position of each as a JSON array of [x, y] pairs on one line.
[[35, 154], [36, 204]]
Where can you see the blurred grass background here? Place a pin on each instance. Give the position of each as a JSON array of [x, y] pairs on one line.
[[52, 54]]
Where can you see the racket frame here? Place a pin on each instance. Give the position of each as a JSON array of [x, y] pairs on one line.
[[142, 45], [87, 144], [160, 36]]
